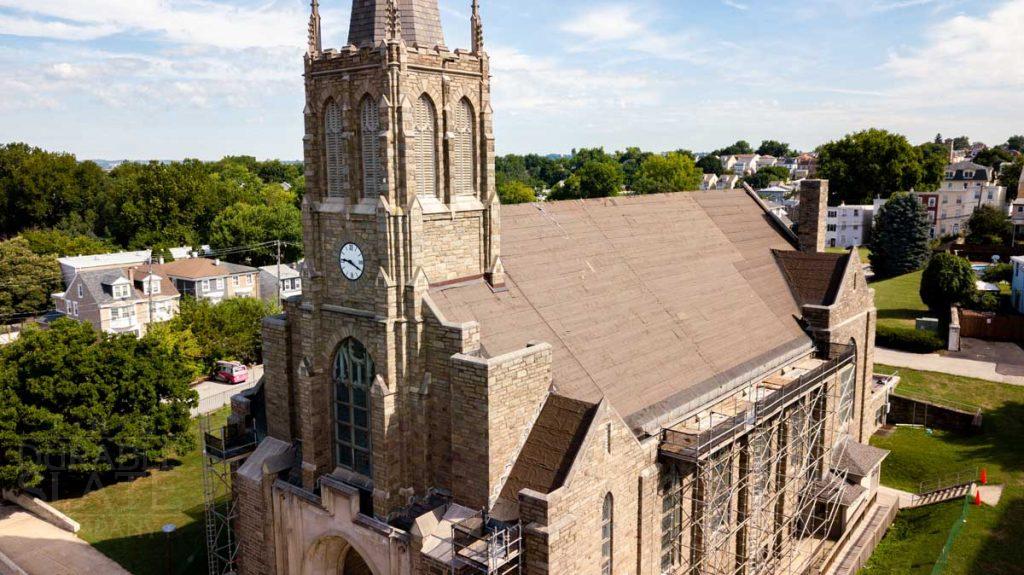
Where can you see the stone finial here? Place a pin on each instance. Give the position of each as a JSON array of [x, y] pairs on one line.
[[393, 22], [315, 43], [477, 31]]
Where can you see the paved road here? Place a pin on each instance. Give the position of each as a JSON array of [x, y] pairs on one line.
[[39, 548], [214, 395], [946, 364]]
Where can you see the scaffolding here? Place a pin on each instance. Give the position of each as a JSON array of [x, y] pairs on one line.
[[749, 487], [224, 449], [486, 546]]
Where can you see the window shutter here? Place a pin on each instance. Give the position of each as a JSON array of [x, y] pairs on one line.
[[426, 148], [464, 161], [373, 174], [337, 174]]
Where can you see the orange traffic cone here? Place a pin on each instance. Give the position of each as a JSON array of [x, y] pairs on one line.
[[984, 476], [977, 498]]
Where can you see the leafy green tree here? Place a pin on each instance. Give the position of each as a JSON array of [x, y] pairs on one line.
[[948, 279], [900, 236], [934, 159], [961, 143], [248, 225], [600, 179], [1009, 177], [939, 139], [1015, 143], [179, 342], [516, 192], [670, 173], [584, 156], [869, 163], [631, 160], [97, 401], [989, 225], [61, 243], [998, 273], [711, 164], [993, 157], [740, 147], [26, 280], [230, 330], [765, 176], [774, 148]]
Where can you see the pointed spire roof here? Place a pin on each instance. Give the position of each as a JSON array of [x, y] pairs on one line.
[[420, 22]]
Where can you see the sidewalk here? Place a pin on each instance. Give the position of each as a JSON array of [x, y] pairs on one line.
[[942, 364], [214, 395], [38, 548]]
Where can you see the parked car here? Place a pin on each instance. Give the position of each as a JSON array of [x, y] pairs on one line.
[[232, 372]]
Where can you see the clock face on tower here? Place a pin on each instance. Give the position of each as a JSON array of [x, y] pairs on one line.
[[351, 261]]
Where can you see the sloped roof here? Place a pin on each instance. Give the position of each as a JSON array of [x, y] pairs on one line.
[[651, 301], [420, 22], [197, 268], [549, 451], [858, 458], [815, 278], [93, 281]]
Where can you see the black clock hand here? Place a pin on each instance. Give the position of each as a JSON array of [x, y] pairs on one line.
[[354, 264]]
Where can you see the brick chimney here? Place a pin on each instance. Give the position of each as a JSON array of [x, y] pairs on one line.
[[811, 215]]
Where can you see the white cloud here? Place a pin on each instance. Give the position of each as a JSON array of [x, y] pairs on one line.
[[605, 23], [613, 27], [735, 4]]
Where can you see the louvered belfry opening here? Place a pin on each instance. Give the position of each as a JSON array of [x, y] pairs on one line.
[[420, 19], [373, 173], [337, 172], [426, 147], [463, 161]]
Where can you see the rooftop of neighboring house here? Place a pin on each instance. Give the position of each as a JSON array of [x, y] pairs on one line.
[[287, 271], [201, 268], [967, 171], [98, 285], [185, 252], [106, 260]]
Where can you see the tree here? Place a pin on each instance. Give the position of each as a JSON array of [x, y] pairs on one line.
[[60, 243], [765, 176], [230, 330], [711, 164], [740, 147], [934, 159], [670, 173], [97, 402], [1015, 143], [993, 157], [947, 280], [869, 163], [774, 148], [516, 192], [631, 160], [961, 143], [989, 225], [939, 140], [247, 225], [26, 280], [900, 237], [1009, 178], [596, 179], [585, 156]]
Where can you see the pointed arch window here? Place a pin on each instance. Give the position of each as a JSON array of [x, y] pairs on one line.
[[426, 147], [334, 144], [464, 161], [353, 375], [373, 172], [607, 534]]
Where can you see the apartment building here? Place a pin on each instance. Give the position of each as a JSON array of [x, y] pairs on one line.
[[212, 279]]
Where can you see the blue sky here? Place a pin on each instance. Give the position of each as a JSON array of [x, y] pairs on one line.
[[170, 79]]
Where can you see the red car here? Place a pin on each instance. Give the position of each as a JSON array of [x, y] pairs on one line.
[[231, 372]]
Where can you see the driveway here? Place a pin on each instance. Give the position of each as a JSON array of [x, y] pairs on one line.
[[214, 395], [989, 370], [1008, 357], [39, 548]]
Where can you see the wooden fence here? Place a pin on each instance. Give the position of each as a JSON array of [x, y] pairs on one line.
[[991, 326]]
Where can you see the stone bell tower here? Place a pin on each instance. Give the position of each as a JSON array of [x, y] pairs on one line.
[[400, 196]]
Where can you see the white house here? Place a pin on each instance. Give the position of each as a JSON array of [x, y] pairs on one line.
[[290, 281], [72, 266], [848, 226]]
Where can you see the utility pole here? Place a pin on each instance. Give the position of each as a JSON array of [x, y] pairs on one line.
[[149, 288], [278, 271]]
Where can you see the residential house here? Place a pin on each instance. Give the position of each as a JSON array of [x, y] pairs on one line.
[[807, 166], [789, 164], [71, 266], [967, 186], [727, 182], [765, 162], [213, 280], [289, 282], [745, 164], [709, 182], [123, 300], [848, 226]]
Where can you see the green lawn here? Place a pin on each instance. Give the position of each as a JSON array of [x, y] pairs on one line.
[[124, 520], [991, 540], [898, 300], [862, 250]]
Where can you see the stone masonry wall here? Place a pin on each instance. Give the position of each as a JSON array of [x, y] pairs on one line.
[[276, 380]]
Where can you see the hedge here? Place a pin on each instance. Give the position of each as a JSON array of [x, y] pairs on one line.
[[908, 339]]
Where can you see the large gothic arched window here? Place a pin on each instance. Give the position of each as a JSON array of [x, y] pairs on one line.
[[464, 163], [337, 172], [373, 173], [353, 375], [426, 147]]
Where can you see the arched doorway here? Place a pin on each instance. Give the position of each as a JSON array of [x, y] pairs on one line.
[[334, 556]]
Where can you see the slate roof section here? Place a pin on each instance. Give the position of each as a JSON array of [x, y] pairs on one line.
[[650, 301], [980, 173], [200, 268], [94, 282], [421, 22], [815, 278], [857, 458], [549, 451]]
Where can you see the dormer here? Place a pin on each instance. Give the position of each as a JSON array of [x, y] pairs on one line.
[[150, 285], [120, 288]]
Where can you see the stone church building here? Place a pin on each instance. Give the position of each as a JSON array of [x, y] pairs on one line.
[[638, 385]]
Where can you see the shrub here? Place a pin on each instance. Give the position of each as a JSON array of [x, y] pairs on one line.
[[983, 301], [948, 279], [998, 273], [908, 339]]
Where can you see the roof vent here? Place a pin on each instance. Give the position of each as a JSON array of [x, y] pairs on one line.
[[216, 262]]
